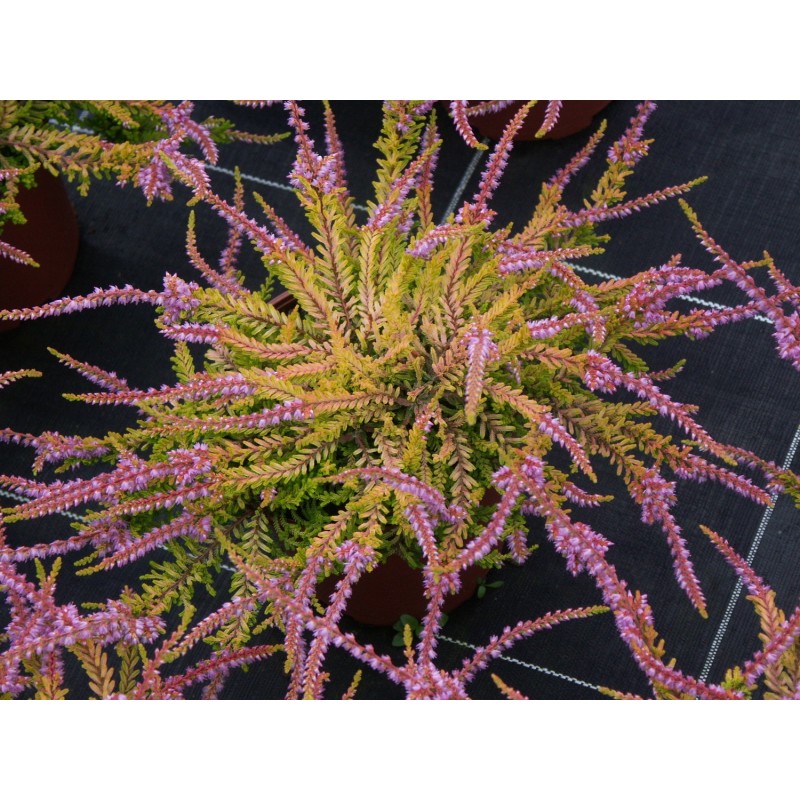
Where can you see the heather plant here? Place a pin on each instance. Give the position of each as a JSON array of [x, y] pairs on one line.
[[86, 140], [425, 389]]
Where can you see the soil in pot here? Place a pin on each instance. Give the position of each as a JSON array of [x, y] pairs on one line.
[[50, 236]]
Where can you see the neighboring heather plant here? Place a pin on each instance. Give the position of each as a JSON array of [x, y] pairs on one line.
[[85, 140], [420, 366]]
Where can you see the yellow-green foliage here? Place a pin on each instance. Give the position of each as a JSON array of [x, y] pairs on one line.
[[85, 140], [374, 352]]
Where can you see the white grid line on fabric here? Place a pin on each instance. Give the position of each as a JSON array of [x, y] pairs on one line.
[[689, 298], [17, 496], [527, 665], [285, 187], [737, 590], [462, 185]]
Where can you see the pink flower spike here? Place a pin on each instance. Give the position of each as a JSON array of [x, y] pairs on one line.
[[551, 115], [458, 111], [553, 427], [481, 351], [495, 168], [630, 147], [423, 529]]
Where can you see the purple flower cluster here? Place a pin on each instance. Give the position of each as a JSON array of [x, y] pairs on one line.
[[656, 287], [54, 448], [131, 474], [100, 377], [177, 298], [288, 411], [552, 326], [656, 496], [195, 332], [41, 627], [188, 525], [478, 209], [320, 172], [422, 526], [458, 113], [394, 206], [427, 243], [155, 178], [516, 258], [632, 147], [553, 428], [601, 374]]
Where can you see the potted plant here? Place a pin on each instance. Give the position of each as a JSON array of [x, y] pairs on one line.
[[421, 390], [42, 141]]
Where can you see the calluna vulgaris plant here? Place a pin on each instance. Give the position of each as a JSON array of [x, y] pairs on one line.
[[84, 140], [422, 365]]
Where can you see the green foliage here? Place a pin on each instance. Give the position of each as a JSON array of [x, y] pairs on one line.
[[407, 628], [484, 586], [84, 140]]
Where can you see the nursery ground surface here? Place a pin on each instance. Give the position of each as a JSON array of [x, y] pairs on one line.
[[747, 395]]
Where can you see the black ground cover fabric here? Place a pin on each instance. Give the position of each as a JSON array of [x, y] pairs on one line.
[[748, 396]]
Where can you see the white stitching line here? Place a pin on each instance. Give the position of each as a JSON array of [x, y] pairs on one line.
[[18, 496], [527, 665], [471, 167], [254, 178], [265, 182], [737, 590], [690, 298]]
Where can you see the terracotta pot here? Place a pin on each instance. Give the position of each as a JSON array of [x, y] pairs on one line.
[[284, 302], [50, 236], [393, 588], [575, 116]]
